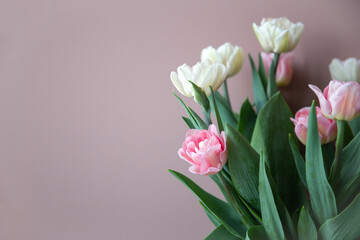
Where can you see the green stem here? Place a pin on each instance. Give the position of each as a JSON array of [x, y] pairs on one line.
[[229, 190], [277, 57], [338, 154], [226, 93]]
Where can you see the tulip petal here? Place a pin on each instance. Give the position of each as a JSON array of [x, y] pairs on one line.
[[324, 104]]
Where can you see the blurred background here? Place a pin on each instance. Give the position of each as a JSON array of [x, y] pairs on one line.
[[89, 124]]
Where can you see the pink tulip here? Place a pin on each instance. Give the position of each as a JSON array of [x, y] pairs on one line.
[[205, 150], [340, 100], [327, 127], [284, 70]]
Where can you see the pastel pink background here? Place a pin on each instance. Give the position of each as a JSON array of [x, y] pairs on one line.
[[88, 122]]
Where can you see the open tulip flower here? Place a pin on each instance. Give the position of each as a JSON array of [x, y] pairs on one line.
[[347, 70], [340, 100], [205, 150], [278, 35], [327, 127], [204, 74], [231, 56], [284, 69]]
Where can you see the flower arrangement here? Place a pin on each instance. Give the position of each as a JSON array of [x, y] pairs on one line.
[[272, 189]]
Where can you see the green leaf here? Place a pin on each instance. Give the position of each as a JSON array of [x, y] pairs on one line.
[[223, 212], [210, 215], [217, 114], [226, 114], [270, 216], [256, 233], [271, 132], [350, 161], [348, 192], [262, 72], [243, 163], [355, 125], [193, 120], [299, 160], [258, 88], [189, 122], [345, 226], [221, 233], [200, 122], [247, 119], [200, 96], [321, 195], [306, 226], [216, 179], [272, 87]]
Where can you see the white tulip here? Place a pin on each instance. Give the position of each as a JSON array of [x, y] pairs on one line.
[[278, 34], [204, 74], [347, 70], [231, 56]]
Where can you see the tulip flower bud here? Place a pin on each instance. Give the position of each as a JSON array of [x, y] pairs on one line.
[[204, 74], [205, 150], [340, 100], [348, 70], [284, 70], [278, 34], [231, 56], [327, 127]]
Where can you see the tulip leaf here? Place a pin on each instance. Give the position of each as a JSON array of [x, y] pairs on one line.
[[262, 72], [221, 233], [271, 135], [200, 122], [306, 226], [355, 125], [243, 162], [299, 160], [321, 195], [216, 179], [193, 120], [272, 87], [270, 215], [226, 114], [256, 233], [344, 226], [350, 165], [348, 192], [247, 119], [210, 215], [220, 209], [258, 88], [216, 110], [189, 122]]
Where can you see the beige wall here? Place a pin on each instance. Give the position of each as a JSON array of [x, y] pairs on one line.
[[88, 122]]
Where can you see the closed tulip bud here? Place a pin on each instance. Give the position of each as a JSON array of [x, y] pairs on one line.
[[231, 56], [340, 100], [205, 150], [204, 74], [348, 70], [327, 127], [278, 35], [284, 70]]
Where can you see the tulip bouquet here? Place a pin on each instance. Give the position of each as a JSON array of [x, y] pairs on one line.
[[272, 189]]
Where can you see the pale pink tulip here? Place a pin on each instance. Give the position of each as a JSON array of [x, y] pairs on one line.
[[284, 70], [340, 100], [205, 150], [327, 127]]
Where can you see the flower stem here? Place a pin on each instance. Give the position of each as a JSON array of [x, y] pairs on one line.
[[334, 176], [226, 93], [276, 57], [207, 115]]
